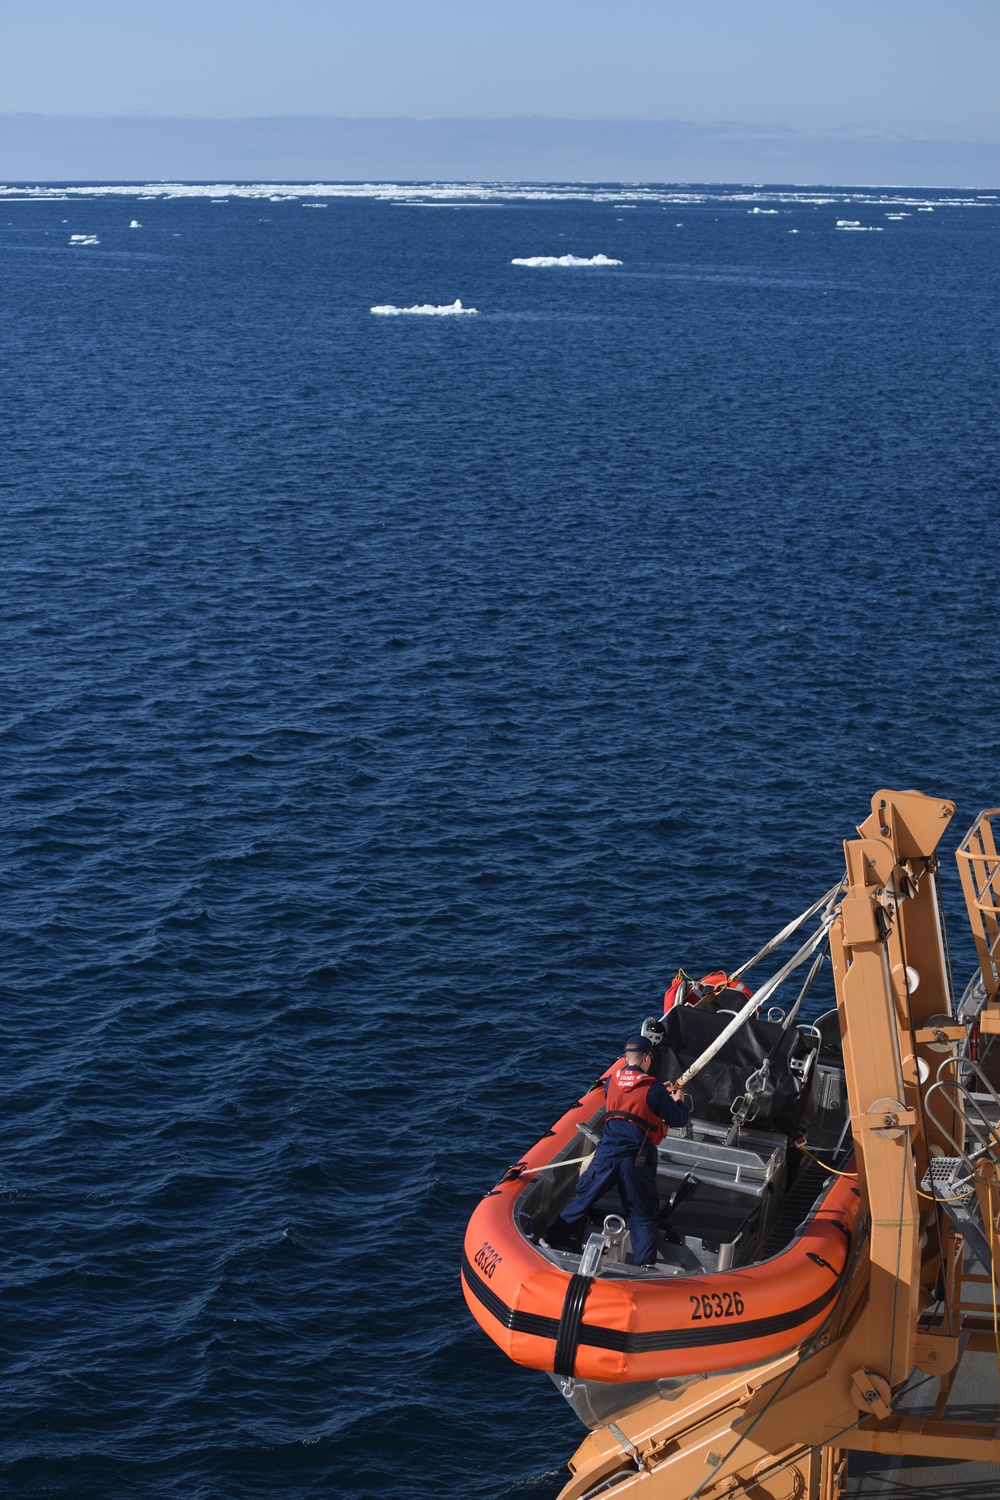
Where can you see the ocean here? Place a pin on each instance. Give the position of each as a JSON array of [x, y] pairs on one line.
[[391, 703]]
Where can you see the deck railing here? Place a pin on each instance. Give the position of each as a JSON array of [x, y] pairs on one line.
[[979, 867]]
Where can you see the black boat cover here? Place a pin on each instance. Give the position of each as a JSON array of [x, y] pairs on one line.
[[783, 1107]]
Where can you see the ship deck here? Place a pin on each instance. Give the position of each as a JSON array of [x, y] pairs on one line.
[[974, 1398]]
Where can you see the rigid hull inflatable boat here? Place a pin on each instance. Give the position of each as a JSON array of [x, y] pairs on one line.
[[757, 1205]]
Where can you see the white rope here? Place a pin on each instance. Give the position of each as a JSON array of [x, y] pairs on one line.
[[572, 1161], [764, 993], [786, 932]]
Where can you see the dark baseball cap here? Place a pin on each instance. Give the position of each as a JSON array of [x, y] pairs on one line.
[[639, 1043]]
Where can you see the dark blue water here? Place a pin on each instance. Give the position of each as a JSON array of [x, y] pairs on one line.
[[389, 706]]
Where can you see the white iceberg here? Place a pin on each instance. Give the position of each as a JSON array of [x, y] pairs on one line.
[[762, 210], [134, 224], [564, 260], [858, 227], [425, 310], [84, 239]]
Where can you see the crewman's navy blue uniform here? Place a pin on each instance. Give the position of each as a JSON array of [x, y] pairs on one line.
[[631, 1093]]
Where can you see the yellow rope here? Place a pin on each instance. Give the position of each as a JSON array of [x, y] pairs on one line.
[[823, 1164], [929, 1196], [993, 1284]]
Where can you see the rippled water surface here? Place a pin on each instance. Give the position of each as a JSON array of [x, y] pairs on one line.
[[389, 706]]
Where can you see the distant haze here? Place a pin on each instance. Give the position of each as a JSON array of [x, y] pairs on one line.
[[38, 148], [803, 90]]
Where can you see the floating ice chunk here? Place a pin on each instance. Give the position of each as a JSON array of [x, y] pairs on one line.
[[425, 310], [762, 210], [925, 210], [564, 260], [858, 227], [494, 194], [84, 239], [898, 216], [134, 224]]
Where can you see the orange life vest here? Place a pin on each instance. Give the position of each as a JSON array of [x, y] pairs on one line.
[[626, 1097]]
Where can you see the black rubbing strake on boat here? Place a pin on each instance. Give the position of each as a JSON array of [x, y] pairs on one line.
[[646, 1343], [518, 1322]]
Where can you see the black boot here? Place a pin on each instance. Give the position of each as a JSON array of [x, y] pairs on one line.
[[563, 1236]]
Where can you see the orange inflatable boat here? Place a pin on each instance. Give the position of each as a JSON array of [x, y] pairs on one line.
[[754, 1233]]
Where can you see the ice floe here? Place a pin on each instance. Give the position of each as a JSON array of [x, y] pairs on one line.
[[425, 310], [858, 227], [473, 194], [84, 239], [564, 260], [762, 210]]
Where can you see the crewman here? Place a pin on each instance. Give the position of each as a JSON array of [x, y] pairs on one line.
[[638, 1112]]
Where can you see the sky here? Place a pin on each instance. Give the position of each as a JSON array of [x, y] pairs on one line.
[[917, 67]]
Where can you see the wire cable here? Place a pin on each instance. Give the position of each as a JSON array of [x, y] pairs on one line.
[[805, 1351], [904, 1152]]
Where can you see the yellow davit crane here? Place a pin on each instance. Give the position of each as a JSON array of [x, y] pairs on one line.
[[924, 1117]]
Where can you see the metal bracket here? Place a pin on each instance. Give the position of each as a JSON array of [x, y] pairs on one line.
[[935, 1353], [989, 1020], [871, 1393], [626, 1445], [940, 1034], [860, 918], [888, 1118]]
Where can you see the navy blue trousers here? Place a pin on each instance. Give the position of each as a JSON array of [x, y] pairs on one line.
[[614, 1165]]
